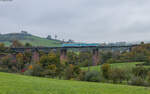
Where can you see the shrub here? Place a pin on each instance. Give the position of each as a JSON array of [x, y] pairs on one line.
[[61, 70], [81, 76], [148, 77], [6, 61], [147, 61], [35, 71], [69, 72], [128, 75], [105, 70], [72, 72], [85, 63], [110, 61], [117, 74], [28, 72], [138, 81], [140, 72], [92, 76], [50, 71]]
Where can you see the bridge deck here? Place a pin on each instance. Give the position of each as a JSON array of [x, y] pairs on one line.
[[20, 49], [124, 46]]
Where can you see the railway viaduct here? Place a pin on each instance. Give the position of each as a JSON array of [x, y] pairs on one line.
[[63, 51]]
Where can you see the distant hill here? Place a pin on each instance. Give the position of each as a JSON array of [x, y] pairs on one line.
[[24, 37]]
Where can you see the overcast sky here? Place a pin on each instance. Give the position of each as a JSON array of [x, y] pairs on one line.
[[80, 20]]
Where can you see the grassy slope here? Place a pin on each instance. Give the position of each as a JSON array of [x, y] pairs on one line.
[[37, 41], [7, 43], [18, 84], [116, 65]]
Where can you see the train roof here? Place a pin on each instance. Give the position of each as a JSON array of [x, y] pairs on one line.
[[81, 44]]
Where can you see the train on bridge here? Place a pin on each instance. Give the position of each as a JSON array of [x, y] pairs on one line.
[[81, 45]]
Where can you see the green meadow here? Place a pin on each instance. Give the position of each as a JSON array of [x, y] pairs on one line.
[[125, 65], [19, 84]]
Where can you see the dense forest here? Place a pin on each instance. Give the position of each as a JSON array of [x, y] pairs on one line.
[[49, 65]]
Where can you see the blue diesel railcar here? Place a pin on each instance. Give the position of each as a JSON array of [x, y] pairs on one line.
[[79, 44]]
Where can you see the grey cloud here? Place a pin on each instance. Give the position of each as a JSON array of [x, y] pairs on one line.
[[81, 20]]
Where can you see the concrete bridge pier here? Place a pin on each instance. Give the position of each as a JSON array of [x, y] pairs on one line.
[[35, 57], [63, 55], [95, 57]]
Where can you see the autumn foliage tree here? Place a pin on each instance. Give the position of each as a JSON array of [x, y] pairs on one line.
[[6, 60], [137, 54], [72, 72], [50, 64], [49, 59], [16, 43], [8, 63], [73, 58], [20, 62], [27, 56], [85, 59], [2, 47], [106, 70]]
